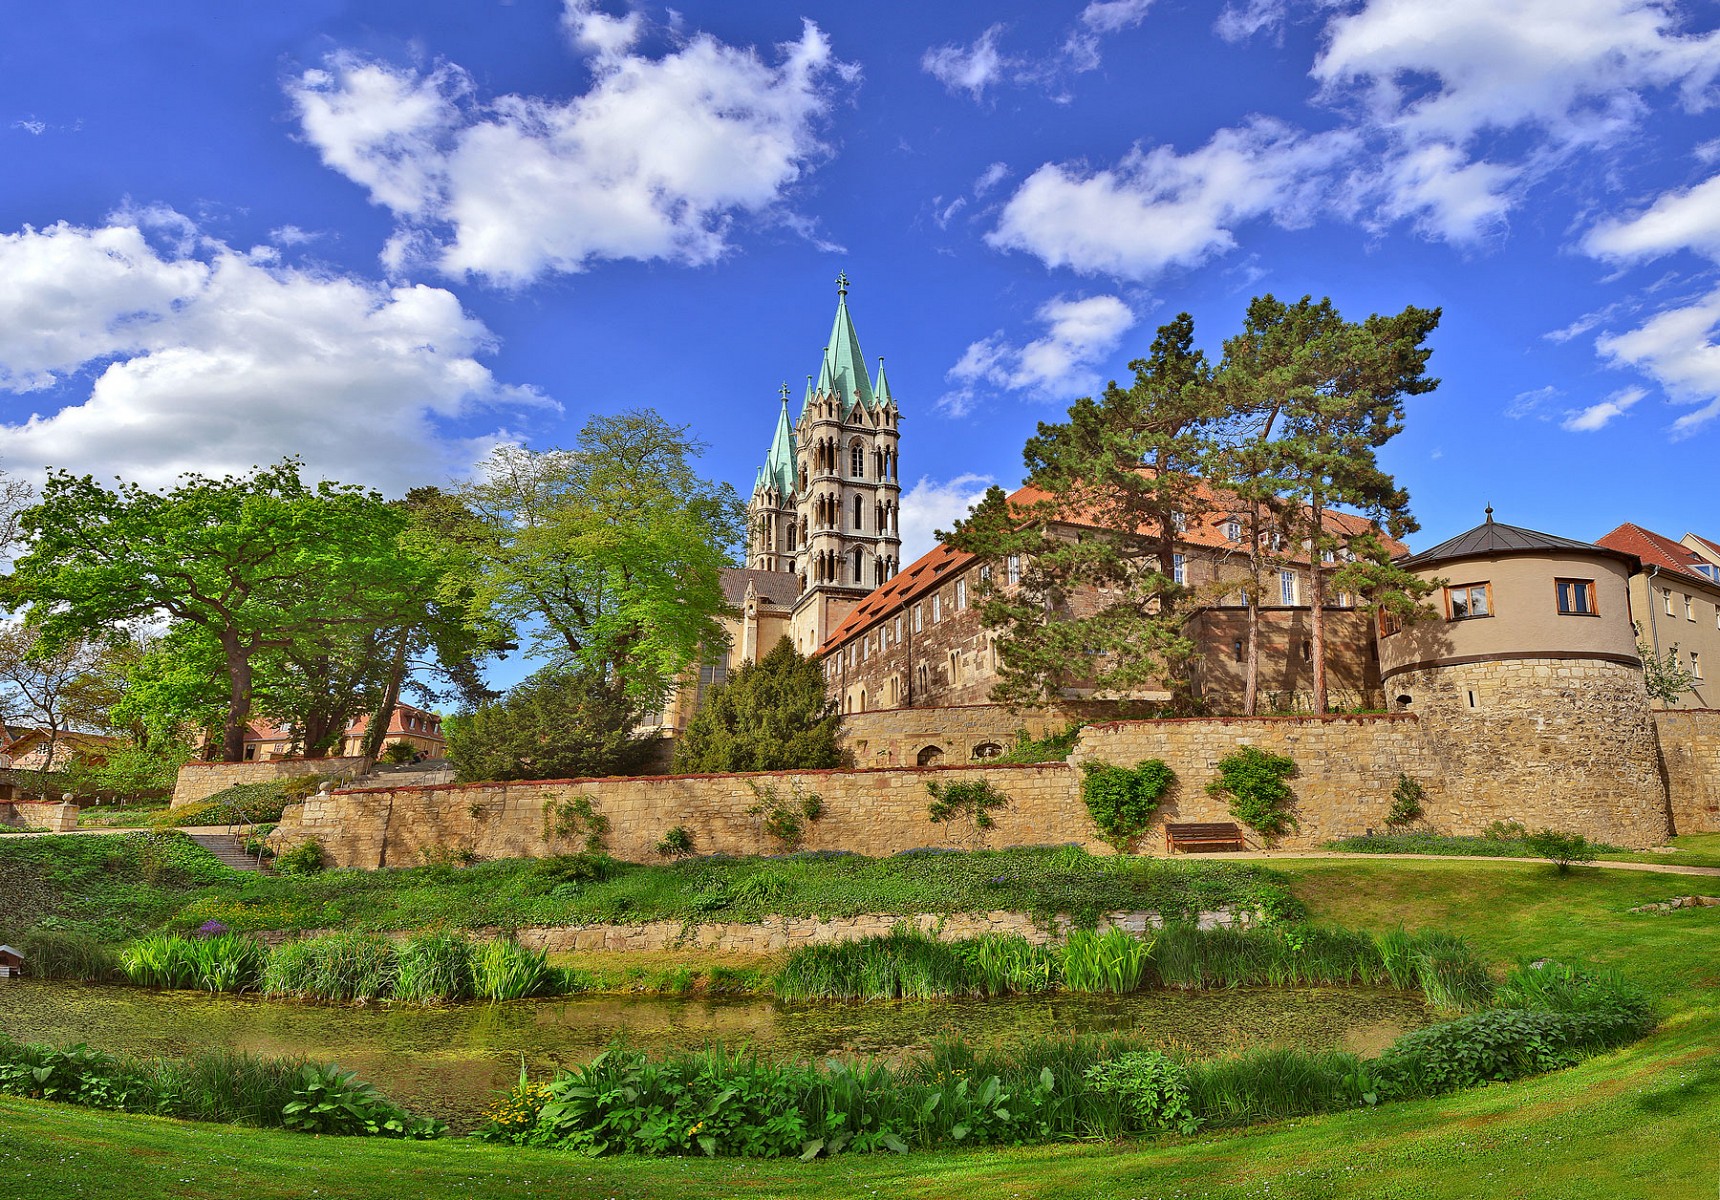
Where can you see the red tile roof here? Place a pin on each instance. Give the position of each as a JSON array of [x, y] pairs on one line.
[[942, 562], [1655, 550]]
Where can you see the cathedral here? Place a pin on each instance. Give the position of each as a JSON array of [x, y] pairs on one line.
[[823, 521]]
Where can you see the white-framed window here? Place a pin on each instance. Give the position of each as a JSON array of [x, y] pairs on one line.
[[961, 594], [985, 573], [866, 649], [1666, 596], [1695, 665], [1233, 531], [883, 638], [1287, 587], [1179, 568], [850, 654], [937, 607], [898, 627], [919, 617], [1689, 609], [1012, 566]]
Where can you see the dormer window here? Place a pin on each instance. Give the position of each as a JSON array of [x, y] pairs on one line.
[[1233, 531]]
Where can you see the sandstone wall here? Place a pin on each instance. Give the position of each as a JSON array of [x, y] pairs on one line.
[[1561, 743], [1347, 767], [51, 815], [876, 812], [1690, 760], [199, 780]]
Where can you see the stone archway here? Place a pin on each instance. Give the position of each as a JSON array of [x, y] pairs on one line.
[[929, 756]]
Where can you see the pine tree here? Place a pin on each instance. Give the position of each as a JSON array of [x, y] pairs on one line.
[[772, 715]]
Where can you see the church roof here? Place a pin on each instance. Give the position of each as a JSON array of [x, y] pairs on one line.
[[843, 370], [1495, 539], [779, 470], [774, 589]]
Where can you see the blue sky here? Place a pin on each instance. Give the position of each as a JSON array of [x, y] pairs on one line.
[[388, 235]]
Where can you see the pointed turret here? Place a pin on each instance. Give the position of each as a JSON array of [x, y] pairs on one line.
[[843, 360], [881, 390], [779, 463]]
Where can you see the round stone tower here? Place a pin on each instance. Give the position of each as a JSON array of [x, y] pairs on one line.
[[1528, 685]]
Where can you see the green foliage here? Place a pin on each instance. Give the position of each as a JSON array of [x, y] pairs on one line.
[[677, 843], [902, 964], [228, 962], [771, 715], [608, 553], [432, 968], [59, 954], [306, 858], [576, 818], [1407, 797], [1151, 1088], [399, 753], [505, 970], [1254, 779], [1122, 801], [1665, 675], [784, 819], [1561, 849], [1052, 747], [327, 1100], [336, 966], [1114, 961], [969, 801], [252, 802], [558, 723]]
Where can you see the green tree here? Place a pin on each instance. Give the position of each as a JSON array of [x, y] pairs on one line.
[[1325, 394], [55, 689], [608, 554], [260, 563], [1123, 468], [1664, 675], [559, 723], [771, 715]]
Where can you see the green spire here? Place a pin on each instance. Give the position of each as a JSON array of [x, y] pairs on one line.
[[779, 469], [844, 365], [882, 389]]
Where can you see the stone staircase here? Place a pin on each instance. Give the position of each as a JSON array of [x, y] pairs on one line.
[[227, 848]]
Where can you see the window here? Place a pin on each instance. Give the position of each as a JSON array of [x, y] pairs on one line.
[[1287, 587], [1576, 597], [985, 573], [1013, 565], [1666, 597], [1689, 610], [1179, 568], [1236, 649], [1179, 522], [937, 608], [857, 461], [859, 525], [1695, 665], [866, 649], [1708, 569], [883, 638], [898, 627], [850, 654], [919, 617], [1307, 650], [1469, 600], [1389, 624], [961, 594], [955, 668], [1233, 531]]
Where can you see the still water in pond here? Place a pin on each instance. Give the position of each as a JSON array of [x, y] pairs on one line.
[[447, 1061]]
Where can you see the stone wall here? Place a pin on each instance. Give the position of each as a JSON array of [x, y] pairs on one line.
[[774, 934], [1560, 743], [877, 812], [1690, 761], [967, 733], [199, 780], [51, 815]]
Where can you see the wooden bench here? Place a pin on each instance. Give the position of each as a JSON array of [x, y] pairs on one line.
[[1218, 835]]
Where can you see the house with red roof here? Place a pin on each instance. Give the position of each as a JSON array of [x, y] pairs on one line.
[[1675, 604]]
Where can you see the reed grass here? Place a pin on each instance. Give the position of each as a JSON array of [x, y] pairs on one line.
[[336, 966], [504, 970], [434, 968], [228, 962], [1113, 961], [57, 954]]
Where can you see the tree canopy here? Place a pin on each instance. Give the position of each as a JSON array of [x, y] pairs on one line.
[[771, 715], [607, 555], [559, 723]]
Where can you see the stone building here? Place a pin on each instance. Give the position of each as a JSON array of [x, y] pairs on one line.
[[1675, 599], [918, 641]]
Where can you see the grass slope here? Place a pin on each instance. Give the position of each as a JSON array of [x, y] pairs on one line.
[[1637, 1123]]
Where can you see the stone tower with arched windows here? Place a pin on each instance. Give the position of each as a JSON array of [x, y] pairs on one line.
[[826, 505]]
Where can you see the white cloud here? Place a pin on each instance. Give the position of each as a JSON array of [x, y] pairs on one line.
[[31, 125], [1678, 349], [1158, 209], [1683, 219], [1236, 24], [1532, 403], [1114, 16], [969, 69], [929, 506], [1058, 365], [597, 32], [989, 178], [1597, 416], [212, 359], [653, 162]]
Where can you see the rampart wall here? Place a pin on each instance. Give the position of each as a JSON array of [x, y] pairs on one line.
[[1690, 764], [200, 780]]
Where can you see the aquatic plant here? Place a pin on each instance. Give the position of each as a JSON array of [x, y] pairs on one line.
[[1114, 961], [434, 967], [336, 966]]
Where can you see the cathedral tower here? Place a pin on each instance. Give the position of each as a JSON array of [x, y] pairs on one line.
[[826, 504]]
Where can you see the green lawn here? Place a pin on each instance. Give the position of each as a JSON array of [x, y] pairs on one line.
[[1642, 1122]]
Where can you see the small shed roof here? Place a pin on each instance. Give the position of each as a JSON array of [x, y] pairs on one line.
[[17, 954]]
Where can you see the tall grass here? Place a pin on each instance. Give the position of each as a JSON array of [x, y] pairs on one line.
[[336, 966], [228, 962], [504, 970], [1113, 961], [434, 967], [1000, 964], [56, 954]]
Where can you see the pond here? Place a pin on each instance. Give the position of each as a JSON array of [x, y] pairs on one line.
[[447, 1061]]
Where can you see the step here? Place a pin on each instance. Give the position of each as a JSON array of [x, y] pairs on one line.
[[226, 849]]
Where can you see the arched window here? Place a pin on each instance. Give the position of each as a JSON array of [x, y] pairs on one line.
[[856, 459], [859, 525], [987, 750], [862, 699], [858, 577], [929, 756]]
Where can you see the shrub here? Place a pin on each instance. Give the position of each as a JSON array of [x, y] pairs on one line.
[[565, 820], [400, 753], [1561, 849], [1407, 799], [1152, 1089], [771, 715], [784, 818], [1498, 1045], [677, 843], [558, 723], [1122, 801], [306, 858], [971, 801], [328, 1100], [1050, 747], [1254, 779]]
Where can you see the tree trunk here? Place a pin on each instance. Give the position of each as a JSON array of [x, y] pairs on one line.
[[1251, 597], [1317, 603], [376, 729], [238, 698]]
